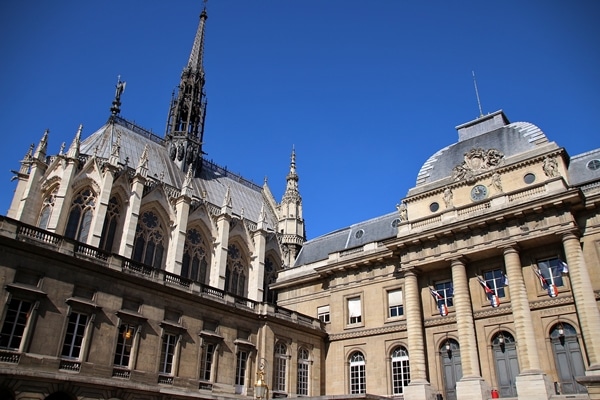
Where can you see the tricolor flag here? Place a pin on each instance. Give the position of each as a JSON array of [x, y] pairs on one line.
[[564, 266], [505, 280], [550, 287], [491, 295], [439, 301]]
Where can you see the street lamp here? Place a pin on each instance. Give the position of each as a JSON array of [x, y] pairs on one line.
[[261, 389]]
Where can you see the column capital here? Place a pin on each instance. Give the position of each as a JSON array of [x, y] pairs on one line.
[[508, 248], [569, 235], [457, 260]]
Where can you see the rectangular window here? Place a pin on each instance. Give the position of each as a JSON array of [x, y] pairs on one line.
[[395, 306], [207, 361], [495, 280], [552, 269], [124, 343], [74, 335], [13, 328], [445, 290], [323, 314], [354, 311], [167, 353], [240, 368]]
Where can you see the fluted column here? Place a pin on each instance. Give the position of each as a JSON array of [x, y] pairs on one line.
[[532, 383], [414, 328], [526, 339], [585, 300], [464, 320], [471, 385], [419, 387]]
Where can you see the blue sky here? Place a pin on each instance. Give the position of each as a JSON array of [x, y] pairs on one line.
[[365, 91]]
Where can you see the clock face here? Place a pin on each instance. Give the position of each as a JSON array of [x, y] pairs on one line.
[[479, 192]]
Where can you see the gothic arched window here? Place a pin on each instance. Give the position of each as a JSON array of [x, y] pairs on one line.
[[149, 244], [47, 207], [194, 263], [400, 370], [235, 275], [109, 227], [80, 216], [270, 296]]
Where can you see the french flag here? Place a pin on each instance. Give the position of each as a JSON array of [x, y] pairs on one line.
[[564, 266], [551, 288], [440, 302], [491, 295]]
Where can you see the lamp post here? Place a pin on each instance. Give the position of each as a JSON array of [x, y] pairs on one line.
[[261, 389]]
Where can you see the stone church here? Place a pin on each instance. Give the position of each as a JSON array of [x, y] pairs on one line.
[[133, 268]]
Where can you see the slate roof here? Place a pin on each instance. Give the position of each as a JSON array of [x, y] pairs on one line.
[[213, 180], [510, 139], [373, 230], [579, 171]]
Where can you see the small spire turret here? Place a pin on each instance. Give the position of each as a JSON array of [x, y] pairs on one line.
[[74, 148], [40, 151]]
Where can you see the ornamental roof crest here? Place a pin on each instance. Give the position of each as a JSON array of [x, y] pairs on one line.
[[477, 160]]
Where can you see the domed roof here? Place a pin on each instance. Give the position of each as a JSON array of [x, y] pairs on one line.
[[492, 131]]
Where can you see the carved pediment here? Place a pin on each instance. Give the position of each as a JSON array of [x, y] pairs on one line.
[[476, 161]]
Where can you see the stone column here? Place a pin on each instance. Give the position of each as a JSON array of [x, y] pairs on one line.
[[585, 300], [419, 387], [531, 383], [471, 385]]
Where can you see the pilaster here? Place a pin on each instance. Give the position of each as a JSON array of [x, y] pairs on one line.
[[131, 216], [100, 211], [177, 243]]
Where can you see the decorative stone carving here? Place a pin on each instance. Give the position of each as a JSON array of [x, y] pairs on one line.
[[402, 209], [550, 167], [477, 160]]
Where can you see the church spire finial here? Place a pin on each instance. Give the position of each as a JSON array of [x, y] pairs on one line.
[[115, 109]]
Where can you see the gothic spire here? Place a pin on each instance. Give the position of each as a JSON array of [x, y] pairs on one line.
[[290, 219], [291, 190], [185, 124]]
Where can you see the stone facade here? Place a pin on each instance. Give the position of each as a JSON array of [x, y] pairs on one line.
[[456, 289], [133, 268]]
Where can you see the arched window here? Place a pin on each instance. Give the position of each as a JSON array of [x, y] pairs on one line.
[[149, 240], [280, 370], [80, 216], [235, 275], [47, 207], [194, 263], [270, 296], [303, 372], [109, 228], [358, 377], [400, 370]]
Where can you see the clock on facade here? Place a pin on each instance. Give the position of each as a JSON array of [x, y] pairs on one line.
[[479, 192]]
